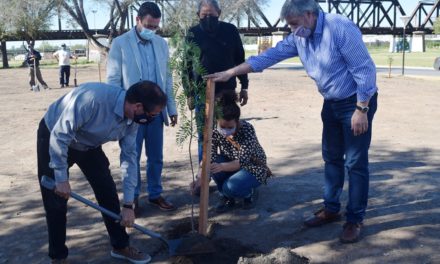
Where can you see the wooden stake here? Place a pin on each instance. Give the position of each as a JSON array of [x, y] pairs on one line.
[[206, 163]]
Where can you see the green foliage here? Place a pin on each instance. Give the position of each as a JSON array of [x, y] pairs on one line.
[[186, 61], [437, 26]]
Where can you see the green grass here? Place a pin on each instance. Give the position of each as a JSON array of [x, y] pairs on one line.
[[53, 63], [381, 57]]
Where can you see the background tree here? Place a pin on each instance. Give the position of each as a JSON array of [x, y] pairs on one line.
[[25, 19], [118, 15], [437, 26]]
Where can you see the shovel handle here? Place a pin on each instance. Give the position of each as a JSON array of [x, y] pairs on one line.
[[49, 183]]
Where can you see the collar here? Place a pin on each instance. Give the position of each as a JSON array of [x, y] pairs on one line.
[[120, 101], [319, 24]]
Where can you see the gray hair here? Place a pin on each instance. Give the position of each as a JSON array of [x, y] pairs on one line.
[[213, 3], [298, 8]]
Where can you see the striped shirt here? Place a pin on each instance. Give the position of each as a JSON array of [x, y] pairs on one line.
[[335, 57]]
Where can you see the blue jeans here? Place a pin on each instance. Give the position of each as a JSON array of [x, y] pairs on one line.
[[152, 135], [341, 151], [237, 184], [64, 74]]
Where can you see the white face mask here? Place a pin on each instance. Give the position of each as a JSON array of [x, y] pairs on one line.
[[226, 131], [147, 34], [303, 32]]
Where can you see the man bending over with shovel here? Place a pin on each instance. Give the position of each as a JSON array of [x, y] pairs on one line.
[[72, 132]]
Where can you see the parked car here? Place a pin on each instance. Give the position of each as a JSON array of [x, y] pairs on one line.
[[79, 52]]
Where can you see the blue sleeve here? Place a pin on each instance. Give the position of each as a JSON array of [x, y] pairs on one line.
[[129, 163], [359, 62], [283, 50], [78, 111], [114, 64]]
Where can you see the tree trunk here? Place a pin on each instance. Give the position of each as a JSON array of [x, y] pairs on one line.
[[4, 54]]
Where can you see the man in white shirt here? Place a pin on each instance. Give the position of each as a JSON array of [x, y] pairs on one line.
[[63, 56]]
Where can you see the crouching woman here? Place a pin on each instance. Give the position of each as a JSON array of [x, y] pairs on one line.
[[238, 162]]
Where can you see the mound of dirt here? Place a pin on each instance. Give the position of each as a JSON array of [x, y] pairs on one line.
[[278, 256]]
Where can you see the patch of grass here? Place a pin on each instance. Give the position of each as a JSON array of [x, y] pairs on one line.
[[381, 56], [52, 63], [412, 59]]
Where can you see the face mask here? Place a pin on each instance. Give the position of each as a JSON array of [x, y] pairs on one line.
[[226, 131], [209, 23], [143, 119], [303, 32], [147, 34]]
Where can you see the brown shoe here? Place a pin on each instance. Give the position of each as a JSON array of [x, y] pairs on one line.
[[163, 204], [131, 254], [351, 232], [321, 217]]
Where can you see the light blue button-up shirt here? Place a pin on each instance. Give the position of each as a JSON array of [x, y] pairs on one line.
[[335, 57], [86, 118], [148, 60]]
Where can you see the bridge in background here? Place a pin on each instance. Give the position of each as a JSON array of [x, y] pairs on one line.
[[374, 17]]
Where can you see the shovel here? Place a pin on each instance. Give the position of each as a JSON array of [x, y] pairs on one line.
[[36, 86], [191, 245], [75, 83]]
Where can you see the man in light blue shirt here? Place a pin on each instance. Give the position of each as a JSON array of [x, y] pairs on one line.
[[136, 55], [333, 54], [72, 132]]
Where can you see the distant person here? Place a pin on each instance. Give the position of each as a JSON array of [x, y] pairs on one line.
[[73, 131], [63, 56], [238, 162], [140, 54], [220, 49], [333, 54], [32, 59]]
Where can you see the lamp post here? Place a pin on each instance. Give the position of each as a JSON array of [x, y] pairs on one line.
[[405, 20], [94, 20]]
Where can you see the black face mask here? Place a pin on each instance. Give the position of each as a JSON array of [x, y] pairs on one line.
[[209, 23], [143, 119]]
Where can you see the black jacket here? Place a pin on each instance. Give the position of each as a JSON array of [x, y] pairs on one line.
[[219, 51], [29, 60]]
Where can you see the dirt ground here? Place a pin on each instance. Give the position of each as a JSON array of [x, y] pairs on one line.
[[403, 218]]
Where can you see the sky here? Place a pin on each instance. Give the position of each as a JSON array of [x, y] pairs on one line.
[[272, 11]]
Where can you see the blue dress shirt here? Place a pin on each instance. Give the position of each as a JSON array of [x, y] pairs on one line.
[[86, 118], [335, 57]]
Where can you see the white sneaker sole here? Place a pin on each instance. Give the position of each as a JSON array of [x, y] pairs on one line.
[[118, 256]]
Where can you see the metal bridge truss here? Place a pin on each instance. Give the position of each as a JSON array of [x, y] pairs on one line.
[[372, 16]]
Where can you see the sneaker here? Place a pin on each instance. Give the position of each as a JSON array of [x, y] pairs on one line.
[[249, 202], [62, 86], [45, 87], [225, 204], [131, 254], [59, 261], [163, 204]]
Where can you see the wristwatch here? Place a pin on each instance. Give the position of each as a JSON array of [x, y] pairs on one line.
[[363, 109], [128, 206]]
